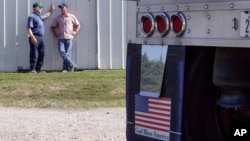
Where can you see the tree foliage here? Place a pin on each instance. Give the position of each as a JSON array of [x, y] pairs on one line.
[[151, 74]]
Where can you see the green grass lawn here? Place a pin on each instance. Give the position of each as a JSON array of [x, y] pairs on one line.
[[84, 89]]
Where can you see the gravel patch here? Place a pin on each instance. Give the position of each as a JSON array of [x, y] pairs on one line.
[[104, 124]]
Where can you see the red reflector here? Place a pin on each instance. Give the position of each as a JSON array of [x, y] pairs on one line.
[[147, 24], [161, 24], [177, 24]]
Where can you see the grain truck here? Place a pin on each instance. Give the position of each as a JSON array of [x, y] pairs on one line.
[[188, 70]]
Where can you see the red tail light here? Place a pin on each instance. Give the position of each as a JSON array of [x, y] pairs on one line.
[[147, 24], [162, 24], [178, 23]]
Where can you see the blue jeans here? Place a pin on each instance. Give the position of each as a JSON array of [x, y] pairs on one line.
[[37, 63], [65, 46]]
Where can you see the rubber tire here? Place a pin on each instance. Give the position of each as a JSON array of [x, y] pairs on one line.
[[200, 120]]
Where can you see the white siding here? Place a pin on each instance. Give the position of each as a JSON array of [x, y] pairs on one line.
[[100, 44], [22, 45], [2, 37], [10, 53], [111, 45]]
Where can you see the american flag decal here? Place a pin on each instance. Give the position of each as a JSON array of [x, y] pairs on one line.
[[152, 115]]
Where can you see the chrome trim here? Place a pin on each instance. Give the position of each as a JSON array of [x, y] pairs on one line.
[[181, 16], [129, 122], [173, 132], [166, 18], [151, 18]]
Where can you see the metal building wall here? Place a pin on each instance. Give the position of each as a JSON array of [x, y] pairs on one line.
[[111, 15], [100, 44]]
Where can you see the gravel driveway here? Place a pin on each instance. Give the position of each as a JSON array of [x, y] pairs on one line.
[[105, 124]]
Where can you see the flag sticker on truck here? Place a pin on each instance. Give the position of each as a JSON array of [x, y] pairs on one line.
[[152, 117]]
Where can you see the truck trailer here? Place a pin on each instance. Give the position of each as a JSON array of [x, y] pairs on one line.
[[188, 71]]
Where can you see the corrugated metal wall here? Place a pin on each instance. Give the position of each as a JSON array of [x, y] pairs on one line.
[[110, 34], [100, 44]]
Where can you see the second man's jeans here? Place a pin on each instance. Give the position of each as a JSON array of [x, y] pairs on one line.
[[65, 46]]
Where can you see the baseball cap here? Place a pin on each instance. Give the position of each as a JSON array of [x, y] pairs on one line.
[[37, 4], [63, 5]]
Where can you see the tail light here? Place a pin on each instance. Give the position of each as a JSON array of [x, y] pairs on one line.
[[162, 24], [147, 24], [178, 23]]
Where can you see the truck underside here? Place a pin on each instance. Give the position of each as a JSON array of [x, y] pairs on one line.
[[216, 98]]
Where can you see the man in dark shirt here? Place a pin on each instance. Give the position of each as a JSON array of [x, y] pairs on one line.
[[35, 29]]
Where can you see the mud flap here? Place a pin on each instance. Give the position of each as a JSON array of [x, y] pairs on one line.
[[172, 89]]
